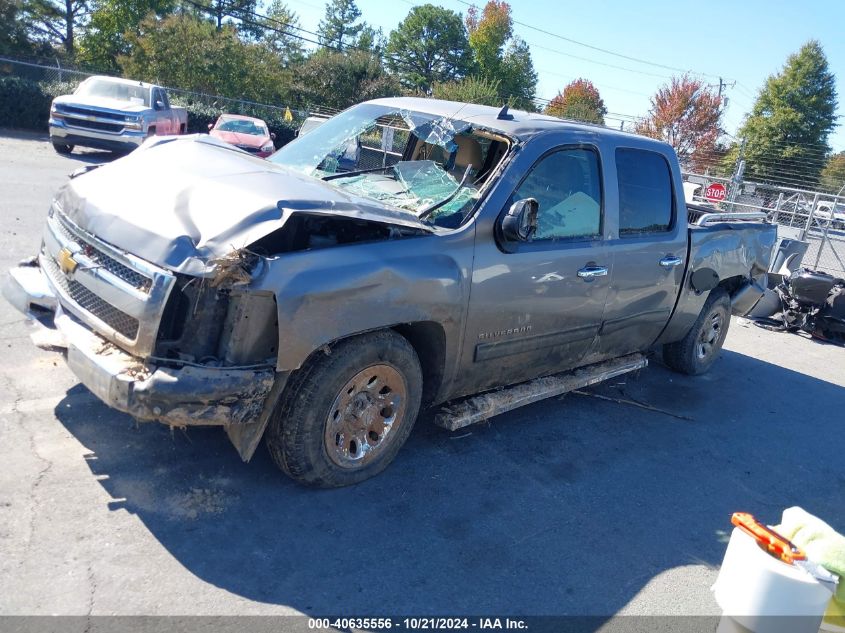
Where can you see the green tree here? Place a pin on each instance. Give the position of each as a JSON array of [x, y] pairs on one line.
[[580, 100], [281, 28], [833, 174], [429, 46], [104, 38], [789, 125], [13, 31], [184, 52], [686, 114], [468, 90], [371, 39], [339, 80], [500, 56], [55, 22], [340, 27], [518, 78], [240, 10]]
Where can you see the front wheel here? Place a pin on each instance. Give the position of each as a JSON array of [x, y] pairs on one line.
[[697, 351], [344, 415], [62, 148]]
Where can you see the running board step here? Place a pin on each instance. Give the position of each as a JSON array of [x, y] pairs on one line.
[[460, 413]]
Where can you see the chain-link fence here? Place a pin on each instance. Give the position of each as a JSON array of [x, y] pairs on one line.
[[812, 216], [54, 80]]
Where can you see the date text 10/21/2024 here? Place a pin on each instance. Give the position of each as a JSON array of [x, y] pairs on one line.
[[417, 624]]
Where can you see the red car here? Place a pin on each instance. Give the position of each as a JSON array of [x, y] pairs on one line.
[[245, 132]]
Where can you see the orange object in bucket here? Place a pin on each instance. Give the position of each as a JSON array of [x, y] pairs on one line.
[[769, 540]]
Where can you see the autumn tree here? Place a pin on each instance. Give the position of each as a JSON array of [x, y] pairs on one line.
[[580, 100], [501, 56], [833, 174], [686, 114], [429, 46], [788, 128]]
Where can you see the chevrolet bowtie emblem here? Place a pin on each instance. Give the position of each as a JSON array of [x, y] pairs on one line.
[[66, 261]]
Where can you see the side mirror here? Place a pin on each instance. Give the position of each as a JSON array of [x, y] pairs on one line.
[[159, 105], [520, 222], [273, 135], [210, 125]]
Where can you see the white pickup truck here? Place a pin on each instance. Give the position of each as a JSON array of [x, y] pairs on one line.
[[113, 114]]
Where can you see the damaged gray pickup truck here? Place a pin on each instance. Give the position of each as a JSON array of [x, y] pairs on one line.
[[407, 253]]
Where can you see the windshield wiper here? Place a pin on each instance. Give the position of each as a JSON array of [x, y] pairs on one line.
[[349, 174], [424, 213]]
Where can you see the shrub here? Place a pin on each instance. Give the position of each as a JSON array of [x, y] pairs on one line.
[[24, 104]]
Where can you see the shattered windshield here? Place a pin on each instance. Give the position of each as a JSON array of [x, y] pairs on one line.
[[432, 167]]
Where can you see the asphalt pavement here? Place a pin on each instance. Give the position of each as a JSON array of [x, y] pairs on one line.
[[577, 505]]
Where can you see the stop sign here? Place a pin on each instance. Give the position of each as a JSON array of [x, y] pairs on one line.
[[715, 192]]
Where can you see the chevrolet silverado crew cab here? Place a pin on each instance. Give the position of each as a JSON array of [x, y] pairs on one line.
[[113, 114], [407, 253]]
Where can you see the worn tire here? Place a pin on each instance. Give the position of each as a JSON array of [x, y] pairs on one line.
[[62, 148], [697, 351], [297, 436]]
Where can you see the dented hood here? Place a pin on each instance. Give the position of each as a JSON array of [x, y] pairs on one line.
[[179, 202]]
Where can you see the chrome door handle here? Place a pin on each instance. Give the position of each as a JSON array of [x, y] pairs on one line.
[[670, 261], [588, 272]]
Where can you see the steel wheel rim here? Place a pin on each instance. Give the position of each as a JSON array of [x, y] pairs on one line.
[[365, 416], [709, 337]]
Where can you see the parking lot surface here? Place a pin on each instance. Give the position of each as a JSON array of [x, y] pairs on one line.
[[576, 505]]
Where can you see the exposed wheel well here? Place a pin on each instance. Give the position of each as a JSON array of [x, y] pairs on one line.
[[429, 341], [732, 284]]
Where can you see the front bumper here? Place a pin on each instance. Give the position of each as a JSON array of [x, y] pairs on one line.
[[126, 140], [181, 396]]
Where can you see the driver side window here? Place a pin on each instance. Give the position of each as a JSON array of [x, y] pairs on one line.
[[566, 184]]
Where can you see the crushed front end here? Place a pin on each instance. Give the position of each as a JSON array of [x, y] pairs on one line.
[[152, 343]]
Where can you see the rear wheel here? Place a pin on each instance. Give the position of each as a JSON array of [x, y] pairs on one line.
[[62, 148], [344, 416], [697, 351]]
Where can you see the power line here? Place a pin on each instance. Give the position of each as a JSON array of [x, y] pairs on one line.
[[598, 48]]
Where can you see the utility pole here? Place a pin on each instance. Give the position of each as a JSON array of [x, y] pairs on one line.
[[736, 178], [722, 85]]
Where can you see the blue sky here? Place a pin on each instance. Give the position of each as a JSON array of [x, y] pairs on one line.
[[739, 41]]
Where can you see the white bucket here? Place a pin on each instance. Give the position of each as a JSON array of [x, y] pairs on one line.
[[756, 590]]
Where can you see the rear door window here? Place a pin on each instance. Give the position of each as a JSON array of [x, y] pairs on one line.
[[646, 203]]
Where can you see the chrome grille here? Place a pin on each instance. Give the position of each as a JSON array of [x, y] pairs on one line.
[[103, 114], [88, 301], [100, 126], [132, 277]]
